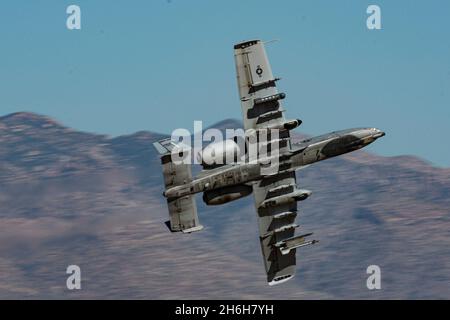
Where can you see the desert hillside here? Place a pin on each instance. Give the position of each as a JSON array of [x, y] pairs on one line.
[[70, 197]]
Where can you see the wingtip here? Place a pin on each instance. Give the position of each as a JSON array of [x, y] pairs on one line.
[[193, 229], [245, 44], [279, 280]]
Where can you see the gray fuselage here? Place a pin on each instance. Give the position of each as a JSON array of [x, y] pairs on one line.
[[301, 154]]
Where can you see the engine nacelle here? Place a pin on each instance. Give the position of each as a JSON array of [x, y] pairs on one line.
[[226, 194], [218, 154]]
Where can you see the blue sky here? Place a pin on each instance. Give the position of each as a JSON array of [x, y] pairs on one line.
[[159, 65]]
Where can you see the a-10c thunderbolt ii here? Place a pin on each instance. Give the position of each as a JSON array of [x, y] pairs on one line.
[[276, 193]]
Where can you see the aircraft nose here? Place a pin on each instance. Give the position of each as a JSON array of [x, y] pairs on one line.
[[379, 134]]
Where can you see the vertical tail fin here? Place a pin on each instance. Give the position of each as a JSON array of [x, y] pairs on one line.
[[182, 211]]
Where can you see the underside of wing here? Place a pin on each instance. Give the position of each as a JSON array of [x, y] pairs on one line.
[[259, 96], [275, 224], [260, 100], [276, 202], [276, 195]]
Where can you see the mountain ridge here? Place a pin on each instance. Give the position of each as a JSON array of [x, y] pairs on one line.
[[70, 197], [43, 120]]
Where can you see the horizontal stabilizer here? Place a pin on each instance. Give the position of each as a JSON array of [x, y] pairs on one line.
[[189, 230], [183, 210], [166, 146], [183, 215]]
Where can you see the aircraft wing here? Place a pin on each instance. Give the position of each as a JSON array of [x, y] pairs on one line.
[[257, 87], [275, 198], [276, 223]]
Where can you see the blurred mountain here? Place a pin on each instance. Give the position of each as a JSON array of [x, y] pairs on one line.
[[70, 197]]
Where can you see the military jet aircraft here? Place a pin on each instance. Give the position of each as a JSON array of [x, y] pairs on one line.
[[276, 194]]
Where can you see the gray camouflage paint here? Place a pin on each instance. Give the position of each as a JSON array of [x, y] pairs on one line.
[[303, 153]]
